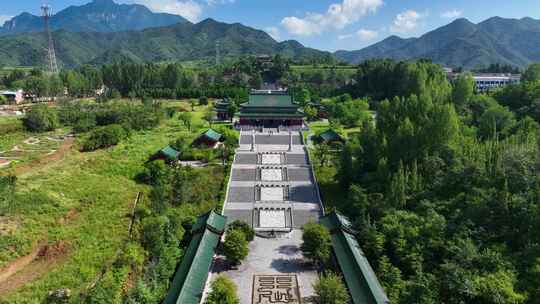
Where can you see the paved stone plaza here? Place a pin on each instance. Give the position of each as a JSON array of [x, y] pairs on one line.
[[281, 196], [280, 256], [272, 218]]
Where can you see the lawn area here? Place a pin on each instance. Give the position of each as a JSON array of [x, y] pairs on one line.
[[83, 202]]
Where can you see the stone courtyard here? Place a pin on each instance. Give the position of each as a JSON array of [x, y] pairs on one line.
[[272, 187]]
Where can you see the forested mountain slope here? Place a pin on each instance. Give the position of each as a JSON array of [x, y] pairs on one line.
[[462, 43]]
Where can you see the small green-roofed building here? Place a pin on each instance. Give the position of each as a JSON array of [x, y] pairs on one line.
[[209, 138], [360, 278], [222, 109], [330, 136], [190, 278], [168, 154]]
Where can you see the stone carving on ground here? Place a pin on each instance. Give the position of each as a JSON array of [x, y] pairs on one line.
[[275, 289]]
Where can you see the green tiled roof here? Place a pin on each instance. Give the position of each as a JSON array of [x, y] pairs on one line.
[[261, 115], [330, 135], [270, 100], [189, 280], [212, 134], [170, 152], [222, 105], [358, 274]]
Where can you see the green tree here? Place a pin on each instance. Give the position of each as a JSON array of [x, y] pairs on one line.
[[203, 101], [41, 118], [222, 291], [532, 73], [186, 118], [322, 153], [209, 116], [311, 113], [235, 247], [496, 120], [463, 90], [232, 109], [329, 289], [244, 227], [256, 81], [302, 97], [316, 243], [345, 169]]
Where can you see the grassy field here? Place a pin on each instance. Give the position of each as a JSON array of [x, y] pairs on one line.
[[81, 202]]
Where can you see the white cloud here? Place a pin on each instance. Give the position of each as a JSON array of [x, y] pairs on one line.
[[367, 35], [273, 32], [4, 18], [345, 36], [215, 2], [452, 14], [361, 34], [337, 16], [406, 22], [189, 9]]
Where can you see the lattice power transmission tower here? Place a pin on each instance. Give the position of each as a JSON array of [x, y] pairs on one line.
[[51, 55]]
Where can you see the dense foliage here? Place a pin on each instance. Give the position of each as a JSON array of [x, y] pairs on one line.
[[41, 119], [329, 289], [243, 227], [235, 247], [223, 291], [166, 220], [104, 137], [316, 243], [445, 201]]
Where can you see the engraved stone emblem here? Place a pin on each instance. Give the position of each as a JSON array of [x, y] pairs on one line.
[[275, 289]]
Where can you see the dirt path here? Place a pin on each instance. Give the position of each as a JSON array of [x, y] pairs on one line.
[[32, 266], [57, 155]]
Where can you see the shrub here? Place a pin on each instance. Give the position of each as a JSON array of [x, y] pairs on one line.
[[329, 289], [316, 242], [243, 227], [104, 137], [223, 291], [235, 247], [85, 123], [41, 119], [203, 101]]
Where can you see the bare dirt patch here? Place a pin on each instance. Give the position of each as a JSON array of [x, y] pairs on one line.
[[70, 215], [26, 269], [49, 158], [32, 141]]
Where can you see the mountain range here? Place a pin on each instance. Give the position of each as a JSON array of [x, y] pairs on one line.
[[178, 42], [462, 43], [96, 16], [103, 31]]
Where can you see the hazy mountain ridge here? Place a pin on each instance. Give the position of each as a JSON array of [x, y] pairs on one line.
[[463, 43], [96, 16]]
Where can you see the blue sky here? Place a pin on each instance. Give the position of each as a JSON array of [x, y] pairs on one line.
[[323, 24]]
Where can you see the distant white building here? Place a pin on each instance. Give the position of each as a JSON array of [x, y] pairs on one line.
[[15, 97], [487, 82]]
